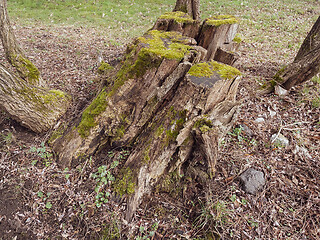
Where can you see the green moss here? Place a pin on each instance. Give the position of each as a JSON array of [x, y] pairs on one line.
[[104, 68], [277, 79], [221, 20], [179, 16], [156, 45], [146, 154], [237, 39], [97, 106], [27, 69], [125, 182], [159, 131], [170, 45], [208, 68], [172, 134], [53, 95], [56, 134], [203, 124]]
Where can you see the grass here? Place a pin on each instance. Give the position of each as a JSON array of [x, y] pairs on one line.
[[121, 20]]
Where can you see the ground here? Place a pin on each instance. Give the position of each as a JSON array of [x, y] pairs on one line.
[[40, 201]]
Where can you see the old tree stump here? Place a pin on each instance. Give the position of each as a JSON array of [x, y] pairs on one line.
[[168, 102]]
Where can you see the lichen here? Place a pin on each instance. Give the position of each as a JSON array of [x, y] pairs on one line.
[[221, 20], [97, 106], [104, 68], [207, 69], [124, 184], [179, 16]]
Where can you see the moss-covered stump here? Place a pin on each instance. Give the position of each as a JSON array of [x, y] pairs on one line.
[[153, 66], [163, 104], [179, 22], [197, 114], [34, 107], [216, 32]]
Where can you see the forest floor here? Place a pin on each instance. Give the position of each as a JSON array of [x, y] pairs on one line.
[[40, 201]]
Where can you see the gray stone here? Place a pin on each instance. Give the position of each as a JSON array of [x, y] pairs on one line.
[[279, 140], [252, 180]]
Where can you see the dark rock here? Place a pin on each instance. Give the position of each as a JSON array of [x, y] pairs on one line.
[[252, 180]]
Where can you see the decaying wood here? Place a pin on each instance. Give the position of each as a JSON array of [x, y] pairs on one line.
[[225, 56], [164, 103], [14, 54], [212, 36], [34, 107], [179, 22]]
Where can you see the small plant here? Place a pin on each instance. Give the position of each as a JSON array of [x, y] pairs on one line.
[[147, 235], [45, 197], [103, 177], [237, 133], [42, 153]]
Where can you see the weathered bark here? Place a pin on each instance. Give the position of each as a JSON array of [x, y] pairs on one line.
[[163, 105], [305, 65], [34, 107], [191, 7], [225, 56], [217, 32], [14, 54]]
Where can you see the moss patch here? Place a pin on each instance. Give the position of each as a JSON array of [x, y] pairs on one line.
[[237, 39], [104, 68], [203, 124], [207, 69], [179, 16], [56, 134], [26, 68], [125, 182], [170, 45], [172, 134], [97, 106], [221, 20]]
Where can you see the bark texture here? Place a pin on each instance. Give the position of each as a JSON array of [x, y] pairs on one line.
[[34, 107], [191, 7], [14, 54], [165, 104], [305, 65]]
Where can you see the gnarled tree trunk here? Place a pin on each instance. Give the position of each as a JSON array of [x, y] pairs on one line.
[[14, 53], [26, 98], [165, 104]]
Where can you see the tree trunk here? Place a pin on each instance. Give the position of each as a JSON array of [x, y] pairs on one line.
[[305, 65], [163, 104], [14, 53], [34, 107], [26, 98], [191, 7]]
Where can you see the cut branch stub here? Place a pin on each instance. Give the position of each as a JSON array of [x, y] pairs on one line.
[[34, 107], [120, 112], [179, 22], [216, 32]]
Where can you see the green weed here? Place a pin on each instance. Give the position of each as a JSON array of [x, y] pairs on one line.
[[43, 153]]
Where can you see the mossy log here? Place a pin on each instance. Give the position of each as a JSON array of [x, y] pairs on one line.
[[34, 107], [305, 65], [163, 104]]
